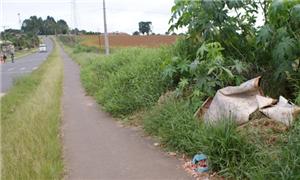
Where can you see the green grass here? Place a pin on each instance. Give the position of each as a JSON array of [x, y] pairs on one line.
[[298, 98], [22, 53], [30, 123], [230, 154], [134, 84]]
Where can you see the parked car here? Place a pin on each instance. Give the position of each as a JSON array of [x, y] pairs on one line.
[[43, 48]]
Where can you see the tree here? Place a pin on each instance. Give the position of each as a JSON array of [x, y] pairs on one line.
[[211, 21], [271, 50], [33, 24], [75, 31], [48, 26], [62, 27], [135, 33], [145, 27]]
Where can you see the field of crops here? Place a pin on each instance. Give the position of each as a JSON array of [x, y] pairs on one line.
[[128, 41]]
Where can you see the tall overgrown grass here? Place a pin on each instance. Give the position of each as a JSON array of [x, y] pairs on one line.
[[131, 79], [30, 123], [126, 81], [229, 152]]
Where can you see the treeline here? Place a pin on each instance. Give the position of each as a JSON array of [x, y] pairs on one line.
[[49, 26], [27, 37], [19, 39]]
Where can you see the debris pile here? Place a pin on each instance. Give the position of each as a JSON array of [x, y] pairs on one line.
[[239, 102]]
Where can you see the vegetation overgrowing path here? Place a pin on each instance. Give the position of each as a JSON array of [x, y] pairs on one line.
[[97, 147]]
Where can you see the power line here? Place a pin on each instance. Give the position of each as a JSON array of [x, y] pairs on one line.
[[19, 19]]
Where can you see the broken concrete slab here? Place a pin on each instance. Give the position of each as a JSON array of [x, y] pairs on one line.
[[284, 111], [239, 102], [234, 102]]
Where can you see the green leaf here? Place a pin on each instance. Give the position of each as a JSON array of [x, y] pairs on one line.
[[194, 65], [295, 13], [239, 66], [183, 66], [175, 59], [284, 49], [264, 34], [169, 71], [183, 83], [211, 70], [234, 3], [228, 72], [203, 48]]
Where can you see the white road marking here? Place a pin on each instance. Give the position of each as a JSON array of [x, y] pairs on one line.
[[23, 68], [16, 72], [34, 68], [10, 69]]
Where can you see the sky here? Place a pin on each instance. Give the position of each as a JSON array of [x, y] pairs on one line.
[[122, 15]]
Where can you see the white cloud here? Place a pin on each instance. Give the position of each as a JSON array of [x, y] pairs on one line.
[[122, 15]]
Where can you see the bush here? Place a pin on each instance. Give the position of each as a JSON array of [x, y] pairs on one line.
[[127, 80], [79, 49], [68, 40], [135, 85], [96, 70]]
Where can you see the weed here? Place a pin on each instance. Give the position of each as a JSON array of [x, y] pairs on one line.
[[134, 85]]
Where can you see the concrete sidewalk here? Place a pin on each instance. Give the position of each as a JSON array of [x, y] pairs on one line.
[[97, 147]]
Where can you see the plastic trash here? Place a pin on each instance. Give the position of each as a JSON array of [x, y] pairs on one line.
[[200, 163]]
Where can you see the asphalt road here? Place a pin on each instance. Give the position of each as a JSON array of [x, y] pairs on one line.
[[21, 66]]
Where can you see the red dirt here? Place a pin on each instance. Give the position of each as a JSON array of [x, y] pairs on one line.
[[129, 41]]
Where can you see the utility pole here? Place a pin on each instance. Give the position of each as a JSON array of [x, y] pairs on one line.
[[74, 16], [105, 31], [1, 21], [19, 19], [99, 39]]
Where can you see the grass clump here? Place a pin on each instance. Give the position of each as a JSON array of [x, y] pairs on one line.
[[173, 122], [230, 153], [79, 48], [135, 85], [285, 164], [126, 81], [30, 121]]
